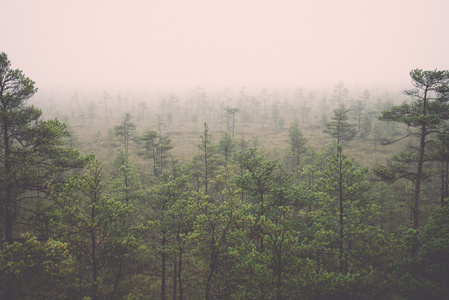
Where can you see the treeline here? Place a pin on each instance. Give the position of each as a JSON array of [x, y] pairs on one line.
[[231, 222]]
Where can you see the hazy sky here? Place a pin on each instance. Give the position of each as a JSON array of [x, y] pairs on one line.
[[182, 43]]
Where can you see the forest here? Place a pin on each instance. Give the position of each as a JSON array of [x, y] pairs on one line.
[[224, 194]]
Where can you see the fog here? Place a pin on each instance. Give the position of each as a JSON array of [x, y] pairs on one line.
[[178, 44]]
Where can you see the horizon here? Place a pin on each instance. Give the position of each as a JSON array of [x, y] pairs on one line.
[[148, 45]]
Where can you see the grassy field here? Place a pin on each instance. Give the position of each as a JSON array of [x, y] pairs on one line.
[[91, 119]]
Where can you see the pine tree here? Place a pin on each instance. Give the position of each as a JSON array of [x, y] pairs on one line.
[[427, 112], [98, 231], [206, 161], [226, 145], [297, 144], [339, 128], [125, 130], [32, 152]]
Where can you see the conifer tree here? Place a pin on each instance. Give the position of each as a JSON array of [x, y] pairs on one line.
[[297, 143], [206, 160], [125, 130], [427, 112], [98, 231], [125, 183], [226, 145], [32, 151], [339, 128]]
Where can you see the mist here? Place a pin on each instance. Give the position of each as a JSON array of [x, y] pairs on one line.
[[178, 44]]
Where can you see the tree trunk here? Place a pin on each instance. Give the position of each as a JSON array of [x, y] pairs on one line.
[[163, 268], [8, 202], [279, 276], [233, 122], [175, 276], [416, 198], [446, 183], [340, 187], [179, 276], [94, 265], [442, 183], [212, 268]]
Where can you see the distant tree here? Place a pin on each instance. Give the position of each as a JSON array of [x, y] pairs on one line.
[[206, 160], [298, 97], [142, 108], [194, 120], [358, 107], [324, 104], [171, 103], [305, 108], [297, 143], [91, 111], [82, 116], [125, 130], [155, 147], [231, 111], [164, 145], [366, 126], [243, 144], [340, 94], [106, 98], [365, 97], [226, 145], [125, 181], [149, 139], [276, 115], [324, 120], [339, 128], [198, 96], [256, 104]]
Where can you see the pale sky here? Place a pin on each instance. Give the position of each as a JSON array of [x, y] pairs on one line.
[[185, 43]]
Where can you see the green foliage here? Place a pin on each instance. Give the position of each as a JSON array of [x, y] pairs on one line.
[[366, 126], [156, 148], [170, 219], [343, 234], [427, 112], [97, 231], [339, 128], [215, 233], [401, 165], [430, 105], [125, 130], [150, 144], [426, 276], [231, 111], [221, 228], [434, 250], [226, 145], [260, 177], [125, 181], [297, 143], [205, 163], [32, 151], [34, 269]]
